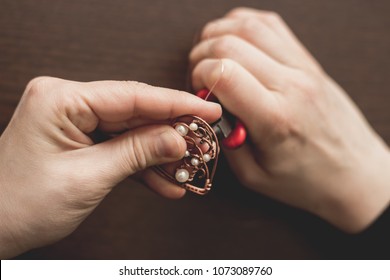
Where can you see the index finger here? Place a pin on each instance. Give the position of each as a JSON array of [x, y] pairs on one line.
[[115, 101]]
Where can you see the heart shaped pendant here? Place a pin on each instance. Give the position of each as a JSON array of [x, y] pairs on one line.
[[196, 170]]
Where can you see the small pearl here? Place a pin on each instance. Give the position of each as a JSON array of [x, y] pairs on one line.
[[195, 161], [193, 126], [181, 129], [206, 157], [187, 154], [182, 175]]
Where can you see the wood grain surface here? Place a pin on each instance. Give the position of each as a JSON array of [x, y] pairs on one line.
[[149, 41]]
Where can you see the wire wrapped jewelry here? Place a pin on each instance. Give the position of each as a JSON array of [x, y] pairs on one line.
[[196, 170]]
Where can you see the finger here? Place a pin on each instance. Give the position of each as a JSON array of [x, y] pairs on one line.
[[258, 33], [161, 186], [112, 127], [272, 19], [114, 101], [237, 90], [136, 150], [249, 172], [276, 23], [262, 66]]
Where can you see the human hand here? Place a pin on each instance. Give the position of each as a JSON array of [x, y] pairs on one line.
[[52, 175], [309, 145]]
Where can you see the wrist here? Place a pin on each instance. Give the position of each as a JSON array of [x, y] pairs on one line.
[[362, 194], [9, 245]]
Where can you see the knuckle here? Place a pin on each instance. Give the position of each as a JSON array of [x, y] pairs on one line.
[[271, 17], [207, 29], [134, 85], [236, 12], [138, 159], [196, 74], [137, 90], [193, 55], [224, 45], [46, 90], [304, 84], [37, 86], [250, 26]]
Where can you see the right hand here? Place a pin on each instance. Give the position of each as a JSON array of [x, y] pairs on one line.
[[309, 144]]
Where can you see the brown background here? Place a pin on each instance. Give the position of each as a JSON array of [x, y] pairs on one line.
[[149, 41]]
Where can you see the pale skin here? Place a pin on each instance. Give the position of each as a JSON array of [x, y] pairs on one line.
[[53, 175], [309, 146]]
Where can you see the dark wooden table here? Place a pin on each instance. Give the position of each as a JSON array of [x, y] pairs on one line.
[[149, 41]]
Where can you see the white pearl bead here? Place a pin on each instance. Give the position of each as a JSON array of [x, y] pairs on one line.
[[195, 161], [182, 175], [206, 157], [181, 129], [193, 126], [187, 154]]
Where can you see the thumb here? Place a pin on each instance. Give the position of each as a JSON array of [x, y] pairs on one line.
[[137, 150]]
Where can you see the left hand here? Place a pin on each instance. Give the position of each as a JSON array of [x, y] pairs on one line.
[[52, 174]]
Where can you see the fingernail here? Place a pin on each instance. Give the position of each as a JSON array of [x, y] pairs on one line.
[[170, 144]]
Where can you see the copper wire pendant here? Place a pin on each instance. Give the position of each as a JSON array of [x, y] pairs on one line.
[[196, 170]]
